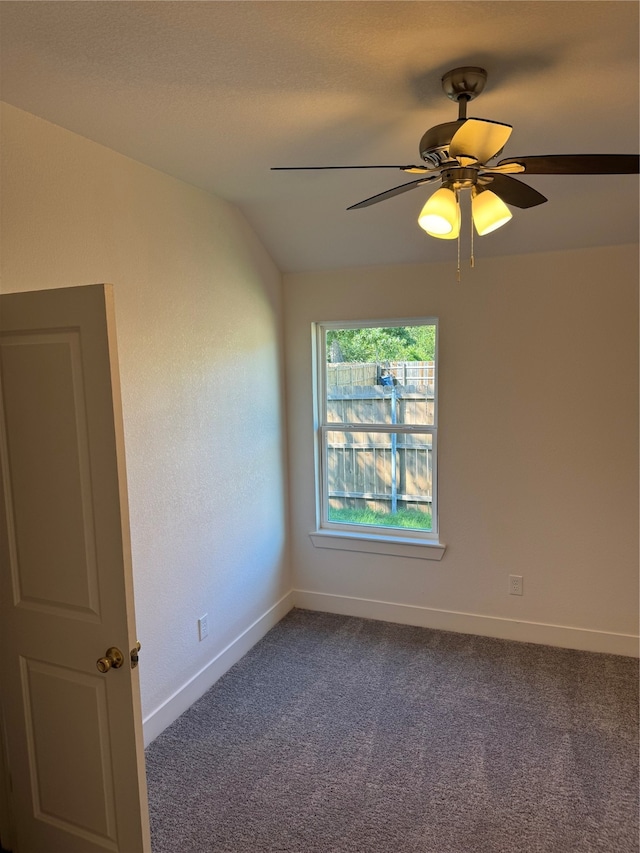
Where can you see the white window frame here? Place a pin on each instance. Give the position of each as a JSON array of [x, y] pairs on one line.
[[359, 537]]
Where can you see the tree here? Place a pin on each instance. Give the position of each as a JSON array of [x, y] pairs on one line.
[[380, 344]]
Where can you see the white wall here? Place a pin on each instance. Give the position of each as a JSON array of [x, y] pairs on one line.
[[538, 447], [538, 416], [198, 312]]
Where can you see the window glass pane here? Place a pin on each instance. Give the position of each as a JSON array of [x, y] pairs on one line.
[[380, 478], [381, 375]]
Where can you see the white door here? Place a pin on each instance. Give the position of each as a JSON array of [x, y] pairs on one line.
[[74, 733]]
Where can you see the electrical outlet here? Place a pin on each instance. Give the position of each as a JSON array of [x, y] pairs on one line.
[[515, 584], [203, 627]]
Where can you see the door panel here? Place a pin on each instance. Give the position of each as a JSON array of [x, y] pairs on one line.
[[62, 707], [74, 734], [47, 430]]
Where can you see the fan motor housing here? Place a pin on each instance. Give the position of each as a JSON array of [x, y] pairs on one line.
[[460, 177], [434, 145]]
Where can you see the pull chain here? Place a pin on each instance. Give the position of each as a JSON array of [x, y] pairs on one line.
[[473, 260], [458, 240]]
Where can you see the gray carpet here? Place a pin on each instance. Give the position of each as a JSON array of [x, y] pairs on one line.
[[344, 735]]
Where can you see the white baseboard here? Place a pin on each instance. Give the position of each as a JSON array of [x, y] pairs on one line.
[[563, 636], [158, 720]]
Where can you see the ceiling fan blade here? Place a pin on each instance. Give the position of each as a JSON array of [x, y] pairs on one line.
[[417, 169], [506, 169], [578, 164], [480, 139], [514, 192], [403, 188]]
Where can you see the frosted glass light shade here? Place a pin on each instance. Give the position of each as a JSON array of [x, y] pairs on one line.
[[454, 233], [489, 212], [440, 217]]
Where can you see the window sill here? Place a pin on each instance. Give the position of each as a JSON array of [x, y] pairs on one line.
[[389, 546]]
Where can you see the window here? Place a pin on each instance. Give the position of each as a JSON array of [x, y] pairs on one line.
[[376, 432]]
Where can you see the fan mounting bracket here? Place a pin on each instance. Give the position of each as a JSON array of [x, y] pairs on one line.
[[464, 83]]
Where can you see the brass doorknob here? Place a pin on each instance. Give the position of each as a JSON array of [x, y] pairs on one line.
[[113, 659]]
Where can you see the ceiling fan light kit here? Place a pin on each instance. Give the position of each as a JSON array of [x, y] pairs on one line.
[[457, 153], [440, 217], [488, 211]]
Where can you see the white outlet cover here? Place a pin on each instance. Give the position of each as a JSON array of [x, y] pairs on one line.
[[515, 584], [203, 627]]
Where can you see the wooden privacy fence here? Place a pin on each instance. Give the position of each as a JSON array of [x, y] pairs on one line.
[[414, 372], [347, 373], [369, 373], [381, 471], [372, 404], [362, 474]]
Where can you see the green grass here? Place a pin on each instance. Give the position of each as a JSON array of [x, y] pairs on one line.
[[408, 518]]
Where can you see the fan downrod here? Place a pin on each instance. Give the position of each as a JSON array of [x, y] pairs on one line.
[[461, 85]]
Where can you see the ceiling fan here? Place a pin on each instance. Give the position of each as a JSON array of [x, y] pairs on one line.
[[457, 154]]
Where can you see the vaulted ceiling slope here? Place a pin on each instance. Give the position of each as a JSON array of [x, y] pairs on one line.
[[215, 93]]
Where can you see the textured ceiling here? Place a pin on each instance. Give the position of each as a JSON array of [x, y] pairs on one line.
[[215, 93]]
